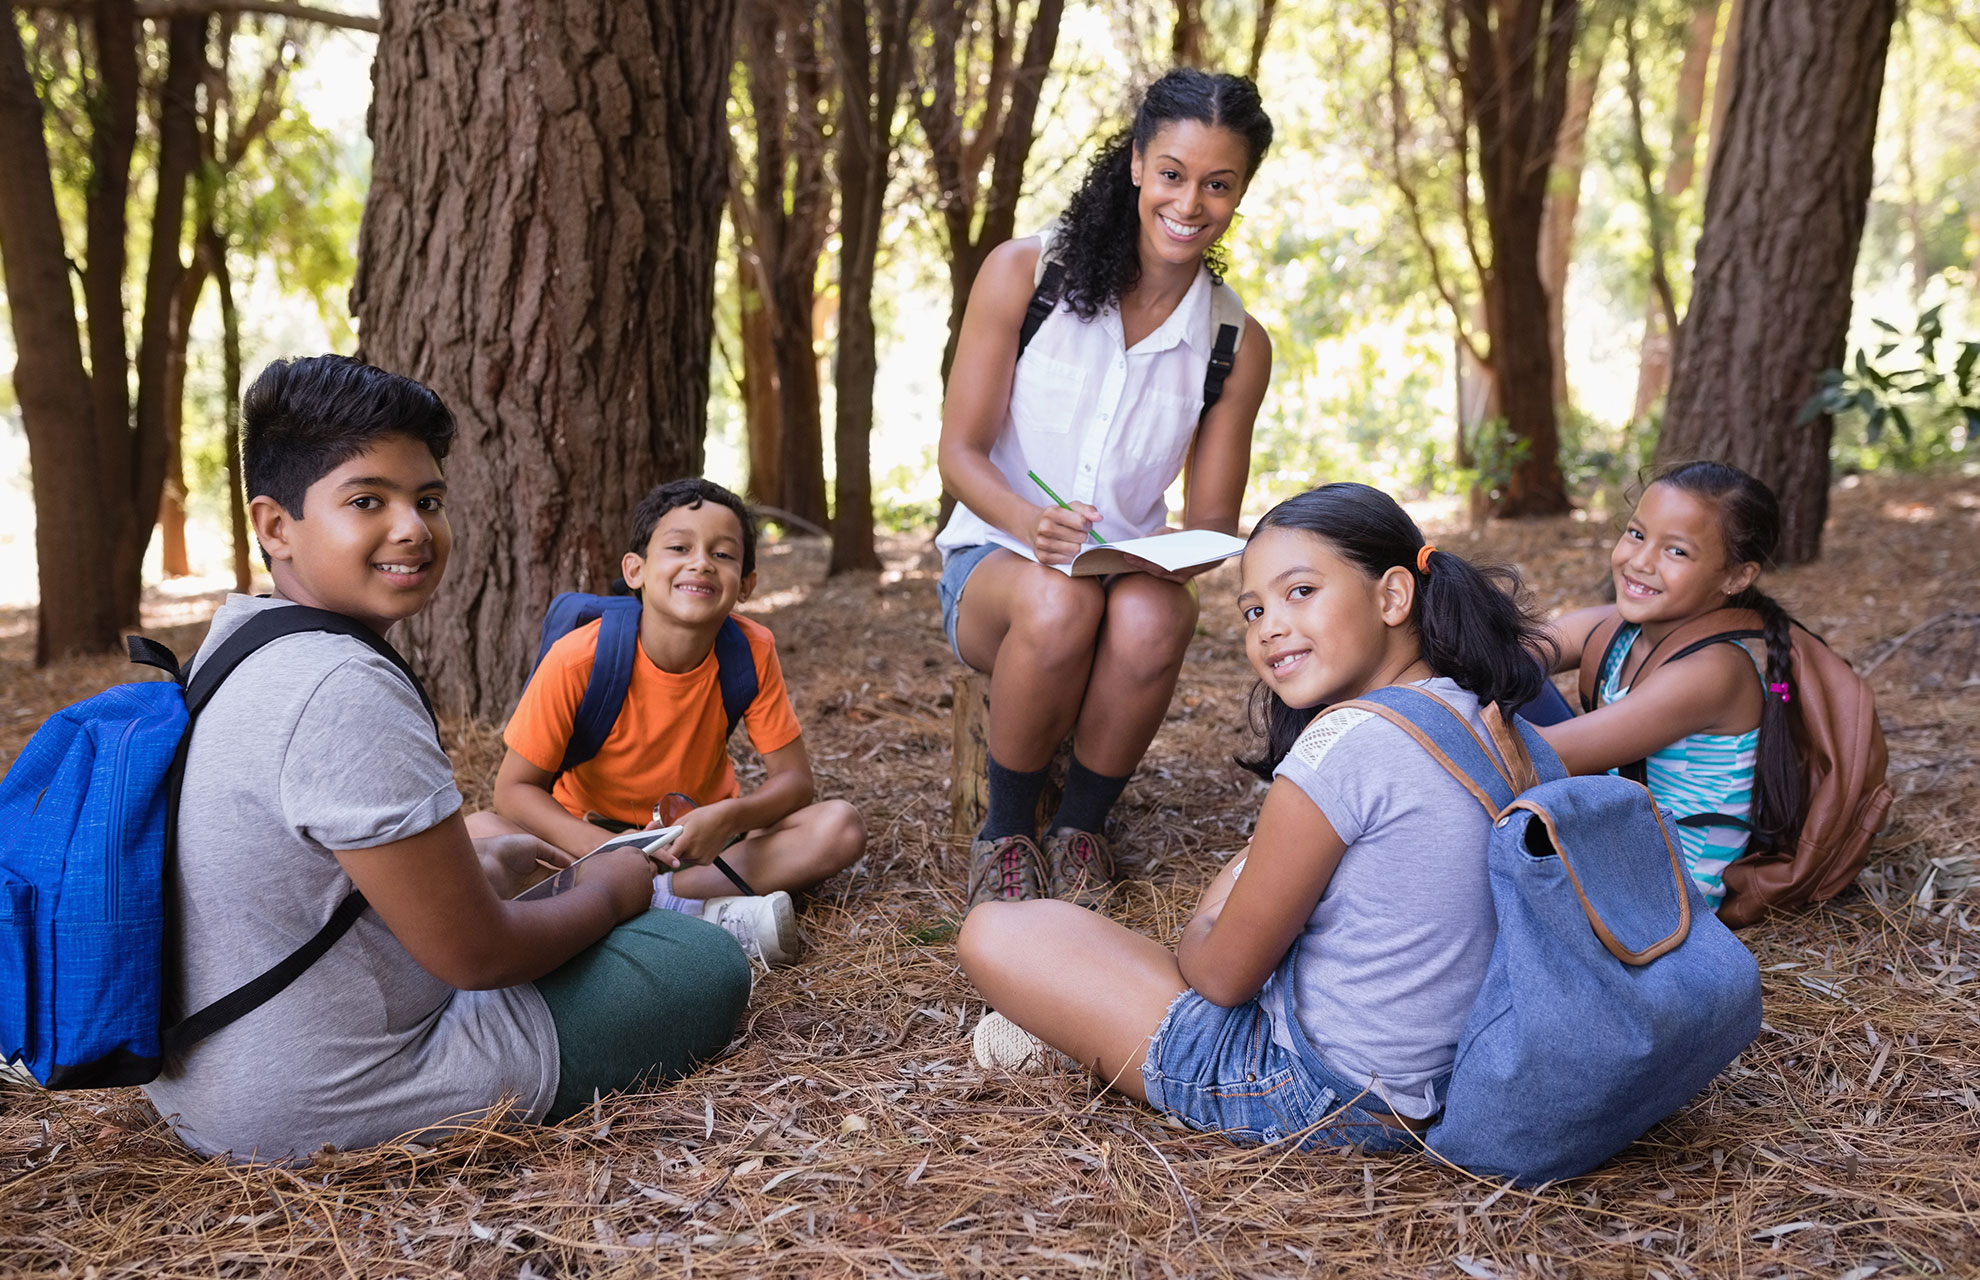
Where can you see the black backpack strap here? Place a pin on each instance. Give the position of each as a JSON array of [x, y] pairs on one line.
[[1223, 356], [1724, 637], [254, 993], [266, 626], [735, 667], [1638, 771], [1044, 301]]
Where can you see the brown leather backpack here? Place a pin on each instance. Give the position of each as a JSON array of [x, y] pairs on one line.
[[1833, 720]]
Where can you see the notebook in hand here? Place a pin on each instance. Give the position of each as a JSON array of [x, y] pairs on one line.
[[1184, 549]]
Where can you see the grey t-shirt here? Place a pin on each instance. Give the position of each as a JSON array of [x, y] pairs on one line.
[[1396, 950], [317, 744]]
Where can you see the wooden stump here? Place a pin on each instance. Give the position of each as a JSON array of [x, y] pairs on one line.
[[969, 785]]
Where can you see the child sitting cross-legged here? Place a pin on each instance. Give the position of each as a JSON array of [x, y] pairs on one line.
[[692, 560], [1320, 990]]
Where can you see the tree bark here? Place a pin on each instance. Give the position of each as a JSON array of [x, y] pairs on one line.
[[1783, 217], [158, 399], [112, 138], [1189, 39], [213, 252], [872, 69], [172, 500], [1653, 370], [1514, 76], [1563, 207], [758, 388], [539, 248], [781, 45], [71, 535]]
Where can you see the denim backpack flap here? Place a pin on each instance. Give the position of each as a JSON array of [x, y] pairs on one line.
[[1613, 994]]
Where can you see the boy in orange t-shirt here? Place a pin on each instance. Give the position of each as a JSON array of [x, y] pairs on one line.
[[693, 559]]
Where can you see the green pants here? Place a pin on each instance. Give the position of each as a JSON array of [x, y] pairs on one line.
[[648, 1001]]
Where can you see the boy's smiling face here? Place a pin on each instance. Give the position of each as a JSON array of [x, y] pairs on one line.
[[372, 539], [691, 575]]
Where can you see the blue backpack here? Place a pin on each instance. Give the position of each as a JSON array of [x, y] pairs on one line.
[[1613, 994], [90, 809], [612, 667]]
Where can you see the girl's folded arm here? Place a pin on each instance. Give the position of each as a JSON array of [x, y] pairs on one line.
[[1237, 939], [1692, 695], [1570, 633]]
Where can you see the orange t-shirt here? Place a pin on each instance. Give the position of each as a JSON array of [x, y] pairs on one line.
[[671, 734]]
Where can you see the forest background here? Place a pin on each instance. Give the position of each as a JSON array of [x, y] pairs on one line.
[[1419, 234]]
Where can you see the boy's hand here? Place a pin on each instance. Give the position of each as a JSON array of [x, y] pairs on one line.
[[705, 832]]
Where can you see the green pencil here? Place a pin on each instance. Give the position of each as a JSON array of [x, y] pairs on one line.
[[1062, 503]]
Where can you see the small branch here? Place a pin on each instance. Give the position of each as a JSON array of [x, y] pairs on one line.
[[1653, 207], [196, 8]]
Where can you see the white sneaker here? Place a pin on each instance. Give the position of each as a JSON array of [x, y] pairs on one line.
[[1002, 1045], [766, 926]]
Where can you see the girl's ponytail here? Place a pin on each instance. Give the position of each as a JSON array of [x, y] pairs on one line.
[[1777, 785], [1472, 622], [1750, 527]]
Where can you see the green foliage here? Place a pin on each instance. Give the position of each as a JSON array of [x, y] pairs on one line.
[[1913, 403]]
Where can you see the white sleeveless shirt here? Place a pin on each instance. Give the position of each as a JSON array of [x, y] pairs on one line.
[[1098, 422]]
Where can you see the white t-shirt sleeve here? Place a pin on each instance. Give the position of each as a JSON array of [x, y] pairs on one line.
[[1330, 764], [364, 767]]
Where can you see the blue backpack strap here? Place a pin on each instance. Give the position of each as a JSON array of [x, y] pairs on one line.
[[611, 675], [735, 666], [1442, 731]]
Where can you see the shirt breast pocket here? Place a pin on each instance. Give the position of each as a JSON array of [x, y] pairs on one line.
[[1167, 424], [1045, 395]]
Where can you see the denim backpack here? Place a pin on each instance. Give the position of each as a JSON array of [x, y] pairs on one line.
[[90, 811], [1613, 994], [612, 666]]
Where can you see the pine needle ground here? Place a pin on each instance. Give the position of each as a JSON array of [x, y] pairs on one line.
[[848, 1132]]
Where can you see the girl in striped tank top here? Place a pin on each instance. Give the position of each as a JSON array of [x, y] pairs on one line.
[[1710, 728]]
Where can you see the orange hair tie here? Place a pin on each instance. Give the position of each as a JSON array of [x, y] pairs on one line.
[[1423, 559]]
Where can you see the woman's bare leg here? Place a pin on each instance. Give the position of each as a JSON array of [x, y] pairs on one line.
[[1143, 636], [1092, 989], [1034, 630]]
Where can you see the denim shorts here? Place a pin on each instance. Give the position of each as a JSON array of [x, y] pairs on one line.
[[955, 574], [1220, 1071]]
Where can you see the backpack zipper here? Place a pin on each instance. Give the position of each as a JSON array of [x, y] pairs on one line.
[[114, 835]]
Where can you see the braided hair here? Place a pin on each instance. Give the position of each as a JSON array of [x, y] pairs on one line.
[[1750, 526], [1472, 622], [1098, 237]]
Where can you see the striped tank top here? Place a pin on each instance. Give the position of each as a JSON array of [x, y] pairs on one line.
[[1702, 773]]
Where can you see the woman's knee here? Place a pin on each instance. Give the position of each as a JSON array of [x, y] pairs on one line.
[[1150, 627], [1059, 614]]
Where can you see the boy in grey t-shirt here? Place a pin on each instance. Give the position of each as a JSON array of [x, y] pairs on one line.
[[315, 769]]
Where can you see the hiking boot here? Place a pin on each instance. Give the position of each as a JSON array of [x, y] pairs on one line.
[[1002, 1045], [1009, 869], [1079, 866], [766, 926]]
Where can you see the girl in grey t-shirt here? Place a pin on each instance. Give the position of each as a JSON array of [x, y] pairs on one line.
[[1326, 975]]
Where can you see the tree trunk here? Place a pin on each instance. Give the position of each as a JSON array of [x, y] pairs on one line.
[[759, 385], [178, 154], [539, 248], [1514, 78], [213, 256], [1653, 370], [1783, 217], [1190, 37], [1562, 208], [872, 68], [55, 392], [172, 500], [112, 137], [1261, 31]]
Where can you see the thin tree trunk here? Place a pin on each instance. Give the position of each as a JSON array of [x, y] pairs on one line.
[[112, 138], [1260, 32], [539, 248], [76, 613], [1563, 206], [1783, 218], [1189, 38], [872, 67], [213, 257], [172, 500], [1653, 370], [759, 386], [178, 154]]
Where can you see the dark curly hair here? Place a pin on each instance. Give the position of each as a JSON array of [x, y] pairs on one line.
[[1097, 237]]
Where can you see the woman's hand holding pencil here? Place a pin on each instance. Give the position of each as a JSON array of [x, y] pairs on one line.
[[1062, 528]]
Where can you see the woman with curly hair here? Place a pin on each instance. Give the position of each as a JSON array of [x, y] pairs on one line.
[[1106, 406]]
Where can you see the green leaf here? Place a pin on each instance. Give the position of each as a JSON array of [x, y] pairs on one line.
[[1972, 415], [1903, 423], [1885, 325], [1884, 351], [1969, 353], [1812, 408], [1875, 426]]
